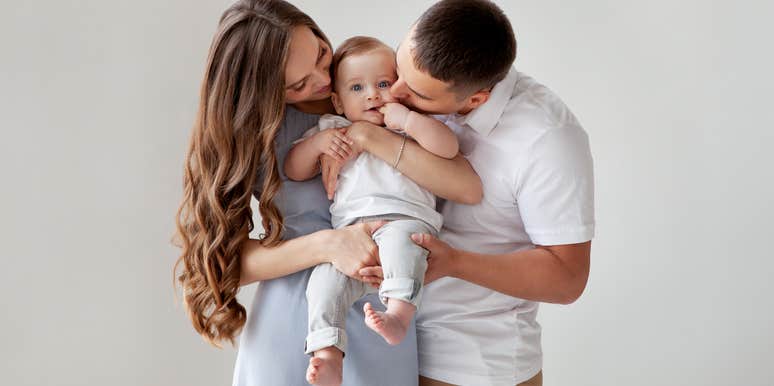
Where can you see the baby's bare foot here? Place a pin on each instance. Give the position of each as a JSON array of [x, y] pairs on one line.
[[387, 324], [325, 368]]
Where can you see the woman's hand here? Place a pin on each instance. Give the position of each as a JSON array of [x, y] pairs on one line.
[[372, 275], [357, 134], [334, 143], [442, 260], [352, 248], [330, 169]]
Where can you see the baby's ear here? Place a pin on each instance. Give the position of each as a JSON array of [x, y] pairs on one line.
[[337, 103]]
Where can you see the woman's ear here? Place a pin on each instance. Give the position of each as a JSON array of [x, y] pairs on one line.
[[337, 103]]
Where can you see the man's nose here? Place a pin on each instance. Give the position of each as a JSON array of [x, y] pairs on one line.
[[398, 89]]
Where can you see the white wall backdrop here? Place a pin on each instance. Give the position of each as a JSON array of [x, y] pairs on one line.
[[96, 103]]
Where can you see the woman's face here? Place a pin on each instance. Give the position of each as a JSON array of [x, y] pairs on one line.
[[307, 75]]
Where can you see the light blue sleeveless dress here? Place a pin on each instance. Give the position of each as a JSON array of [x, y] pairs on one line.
[[271, 347]]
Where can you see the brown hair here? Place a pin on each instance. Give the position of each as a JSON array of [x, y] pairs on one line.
[[468, 43], [241, 107], [354, 46]]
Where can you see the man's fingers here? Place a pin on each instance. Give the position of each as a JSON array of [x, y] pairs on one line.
[[422, 239]]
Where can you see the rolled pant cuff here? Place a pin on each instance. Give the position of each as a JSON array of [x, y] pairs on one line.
[[326, 337], [406, 289]]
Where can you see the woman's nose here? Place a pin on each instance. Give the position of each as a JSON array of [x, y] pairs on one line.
[[323, 76]]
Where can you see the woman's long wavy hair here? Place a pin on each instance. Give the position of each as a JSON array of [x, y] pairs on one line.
[[241, 108]]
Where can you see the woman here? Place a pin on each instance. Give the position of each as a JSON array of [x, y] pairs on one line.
[[266, 81]]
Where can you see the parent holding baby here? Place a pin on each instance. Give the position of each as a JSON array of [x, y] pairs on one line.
[[266, 82]]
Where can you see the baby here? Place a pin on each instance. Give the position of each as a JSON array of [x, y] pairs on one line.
[[368, 189]]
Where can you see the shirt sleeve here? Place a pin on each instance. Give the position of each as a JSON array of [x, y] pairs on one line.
[[555, 191]]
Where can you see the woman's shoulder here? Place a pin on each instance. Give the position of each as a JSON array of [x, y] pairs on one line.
[[295, 123]]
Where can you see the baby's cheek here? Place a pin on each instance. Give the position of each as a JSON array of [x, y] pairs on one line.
[[353, 114]]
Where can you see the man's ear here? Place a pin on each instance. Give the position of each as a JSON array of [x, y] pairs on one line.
[[477, 99], [337, 103]]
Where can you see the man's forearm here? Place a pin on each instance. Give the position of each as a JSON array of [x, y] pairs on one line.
[[426, 169], [538, 274]]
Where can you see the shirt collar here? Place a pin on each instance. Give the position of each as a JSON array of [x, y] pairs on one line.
[[485, 117]]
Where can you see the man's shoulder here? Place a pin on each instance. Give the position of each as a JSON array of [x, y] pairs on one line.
[[533, 111]]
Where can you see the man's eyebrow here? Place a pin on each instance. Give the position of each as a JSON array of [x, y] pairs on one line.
[[319, 50]]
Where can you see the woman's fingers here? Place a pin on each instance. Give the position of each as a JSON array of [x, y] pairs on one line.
[[375, 272], [339, 153], [342, 137], [342, 144], [373, 226]]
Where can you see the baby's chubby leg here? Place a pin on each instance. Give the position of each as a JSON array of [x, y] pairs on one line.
[[329, 294], [404, 264]]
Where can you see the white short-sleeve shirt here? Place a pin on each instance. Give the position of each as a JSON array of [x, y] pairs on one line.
[[535, 164]]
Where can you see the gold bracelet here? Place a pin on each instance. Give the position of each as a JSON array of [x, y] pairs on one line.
[[400, 152]]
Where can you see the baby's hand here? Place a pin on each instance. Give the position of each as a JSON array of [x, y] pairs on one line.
[[395, 115], [334, 143]]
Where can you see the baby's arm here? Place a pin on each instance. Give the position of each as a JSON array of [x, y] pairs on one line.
[[301, 162], [429, 133]]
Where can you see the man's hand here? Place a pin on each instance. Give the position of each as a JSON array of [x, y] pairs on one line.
[[441, 261], [395, 116]]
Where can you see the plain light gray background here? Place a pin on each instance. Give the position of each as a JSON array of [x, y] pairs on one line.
[[96, 103]]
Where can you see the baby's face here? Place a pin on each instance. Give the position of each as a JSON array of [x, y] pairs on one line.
[[363, 85]]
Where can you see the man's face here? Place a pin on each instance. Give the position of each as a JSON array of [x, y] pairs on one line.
[[419, 90]]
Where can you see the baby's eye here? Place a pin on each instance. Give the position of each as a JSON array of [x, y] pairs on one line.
[[356, 87], [383, 84]]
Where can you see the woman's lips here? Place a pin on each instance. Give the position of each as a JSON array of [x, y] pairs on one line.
[[323, 90]]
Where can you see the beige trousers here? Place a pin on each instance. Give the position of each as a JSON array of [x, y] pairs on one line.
[[537, 380]]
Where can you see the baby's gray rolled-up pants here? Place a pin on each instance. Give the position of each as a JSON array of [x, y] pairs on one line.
[[330, 293]]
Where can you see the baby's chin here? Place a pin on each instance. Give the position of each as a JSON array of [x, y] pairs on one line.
[[372, 117]]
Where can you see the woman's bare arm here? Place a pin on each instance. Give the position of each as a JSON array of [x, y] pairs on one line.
[[349, 249]]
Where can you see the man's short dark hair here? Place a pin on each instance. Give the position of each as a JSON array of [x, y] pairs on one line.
[[468, 43]]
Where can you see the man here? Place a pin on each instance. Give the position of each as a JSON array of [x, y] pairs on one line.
[[528, 240]]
